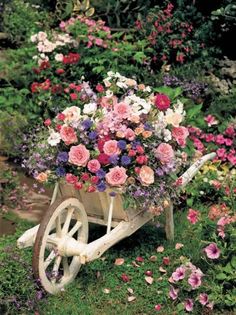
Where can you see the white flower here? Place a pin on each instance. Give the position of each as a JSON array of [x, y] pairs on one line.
[[33, 38], [122, 85], [147, 89], [42, 36], [167, 135], [90, 108], [54, 138], [109, 93], [59, 57], [173, 118], [107, 82], [72, 114]]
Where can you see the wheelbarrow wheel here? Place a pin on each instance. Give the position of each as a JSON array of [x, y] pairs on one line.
[[65, 220]]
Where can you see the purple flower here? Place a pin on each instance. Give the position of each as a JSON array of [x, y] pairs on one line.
[[62, 157], [101, 186], [101, 173], [87, 124], [179, 274], [159, 171], [60, 171], [147, 126], [125, 160], [122, 144], [212, 251], [203, 298], [113, 159], [195, 280], [92, 135], [173, 293], [188, 305]]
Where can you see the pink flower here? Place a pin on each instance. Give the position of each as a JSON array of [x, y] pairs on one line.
[[122, 110], [209, 137], [129, 134], [47, 122], [231, 158], [195, 280], [230, 131], [93, 166], [73, 96], [68, 135], [116, 176], [162, 101], [79, 155], [111, 147], [210, 120], [228, 142], [173, 293], [146, 175], [220, 139], [108, 102], [212, 251], [164, 153], [158, 307], [193, 216], [180, 134], [71, 179], [178, 274], [203, 298], [188, 305], [99, 88]]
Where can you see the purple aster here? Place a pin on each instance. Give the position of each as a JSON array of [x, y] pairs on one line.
[[92, 135], [147, 127], [135, 144], [101, 173], [122, 144], [60, 171], [113, 159], [87, 124], [125, 160], [159, 171], [101, 186], [62, 157]]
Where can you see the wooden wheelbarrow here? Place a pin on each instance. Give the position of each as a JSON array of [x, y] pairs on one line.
[[61, 240]]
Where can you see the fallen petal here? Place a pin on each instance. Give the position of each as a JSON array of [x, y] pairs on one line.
[[131, 291], [160, 249], [178, 245], [161, 269], [131, 298], [153, 258], [149, 280], [119, 261], [107, 291]]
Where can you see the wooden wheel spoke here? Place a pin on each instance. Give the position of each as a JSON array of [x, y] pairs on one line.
[[58, 226], [56, 268], [49, 259], [52, 239], [66, 267], [75, 228], [67, 220]]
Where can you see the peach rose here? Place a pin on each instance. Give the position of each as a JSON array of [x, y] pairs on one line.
[[122, 110], [79, 155], [42, 177], [146, 175], [111, 147], [180, 134], [129, 134], [108, 102], [68, 135], [164, 153], [174, 119], [116, 176], [72, 114]]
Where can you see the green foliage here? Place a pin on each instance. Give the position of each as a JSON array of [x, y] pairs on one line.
[[223, 106], [12, 127]]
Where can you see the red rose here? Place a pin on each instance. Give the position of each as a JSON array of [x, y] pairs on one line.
[[47, 122], [103, 158], [61, 116], [140, 149], [132, 153], [73, 96], [91, 189], [142, 159], [94, 179], [85, 177], [137, 170], [60, 71], [78, 88], [162, 101], [71, 179], [58, 127], [78, 185], [99, 88]]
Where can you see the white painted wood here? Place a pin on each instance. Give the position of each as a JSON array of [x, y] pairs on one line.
[[110, 213], [28, 237]]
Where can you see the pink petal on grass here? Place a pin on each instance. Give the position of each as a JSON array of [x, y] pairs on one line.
[[139, 259], [153, 258], [161, 269], [160, 249], [130, 290], [131, 298], [119, 261], [149, 280], [179, 245], [106, 291]]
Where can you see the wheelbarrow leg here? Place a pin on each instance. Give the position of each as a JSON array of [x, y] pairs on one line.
[[169, 225]]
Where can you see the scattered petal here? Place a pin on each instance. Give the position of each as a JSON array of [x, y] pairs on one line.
[[158, 307], [107, 291], [131, 298], [166, 261], [119, 261], [171, 280], [135, 264], [139, 259], [149, 280], [153, 258], [159, 279], [148, 273], [161, 269], [131, 291], [125, 277], [160, 249], [98, 274], [179, 245]]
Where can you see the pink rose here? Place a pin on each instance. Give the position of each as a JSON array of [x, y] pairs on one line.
[[108, 102], [71, 179], [129, 134], [193, 216], [146, 175], [93, 166], [79, 155], [180, 134], [122, 110], [164, 153], [68, 135], [111, 147], [116, 176]]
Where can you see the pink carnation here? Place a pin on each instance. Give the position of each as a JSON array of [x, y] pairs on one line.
[[164, 153], [122, 110], [180, 134], [162, 101], [68, 135], [93, 166], [79, 155], [212, 251], [111, 147], [116, 176], [193, 216]]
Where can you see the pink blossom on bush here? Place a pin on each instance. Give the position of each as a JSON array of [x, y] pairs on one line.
[[195, 280], [203, 298], [212, 251], [68, 135], [79, 155], [188, 305], [180, 134], [211, 120], [93, 165], [116, 176], [193, 216], [178, 274], [164, 153], [173, 293]]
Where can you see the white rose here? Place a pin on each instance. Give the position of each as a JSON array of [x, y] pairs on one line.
[[33, 38], [167, 135], [42, 36], [54, 138], [59, 57], [90, 108], [72, 114]]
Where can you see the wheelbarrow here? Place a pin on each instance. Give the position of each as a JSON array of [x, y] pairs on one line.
[[61, 240]]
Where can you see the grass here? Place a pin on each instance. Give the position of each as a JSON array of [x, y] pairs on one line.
[[19, 294]]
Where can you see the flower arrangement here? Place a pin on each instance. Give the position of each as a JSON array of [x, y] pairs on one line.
[[124, 137]]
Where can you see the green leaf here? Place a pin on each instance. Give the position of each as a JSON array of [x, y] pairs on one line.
[[221, 276], [173, 93], [233, 262], [194, 111], [190, 202]]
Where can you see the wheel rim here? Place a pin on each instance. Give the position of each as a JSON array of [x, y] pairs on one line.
[[64, 219]]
